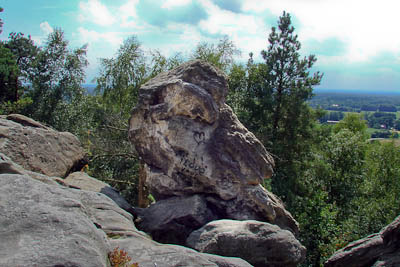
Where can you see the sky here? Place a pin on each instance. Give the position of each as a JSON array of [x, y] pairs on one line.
[[356, 42]]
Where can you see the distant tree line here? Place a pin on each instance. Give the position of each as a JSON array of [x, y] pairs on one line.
[[356, 102]]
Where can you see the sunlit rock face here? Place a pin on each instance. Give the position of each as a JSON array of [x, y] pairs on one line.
[[193, 143]]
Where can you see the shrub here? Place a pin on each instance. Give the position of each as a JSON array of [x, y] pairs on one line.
[[119, 258]]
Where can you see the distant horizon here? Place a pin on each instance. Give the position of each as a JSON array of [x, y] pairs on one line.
[[358, 91], [321, 90]]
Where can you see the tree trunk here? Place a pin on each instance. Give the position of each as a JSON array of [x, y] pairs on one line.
[[143, 200]]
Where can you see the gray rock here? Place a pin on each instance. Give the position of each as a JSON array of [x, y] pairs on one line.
[[259, 243], [151, 254], [380, 249], [83, 181], [7, 166], [43, 225], [172, 220], [192, 143], [52, 225], [38, 148]]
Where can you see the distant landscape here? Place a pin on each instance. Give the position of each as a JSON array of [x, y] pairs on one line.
[[381, 110]]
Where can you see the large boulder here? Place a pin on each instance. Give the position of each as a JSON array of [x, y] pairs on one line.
[[38, 148], [192, 143], [380, 249], [53, 225], [259, 243], [172, 220]]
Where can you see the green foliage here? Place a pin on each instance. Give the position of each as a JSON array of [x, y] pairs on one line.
[[270, 99], [121, 77], [8, 74], [378, 120], [354, 123], [57, 76], [323, 173], [25, 52], [220, 55], [14, 77], [349, 190], [16, 57]]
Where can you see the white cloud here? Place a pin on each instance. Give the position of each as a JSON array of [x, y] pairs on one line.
[[368, 27], [128, 14], [90, 36], [247, 31], [46, 28], [94, 11], [174, 3]]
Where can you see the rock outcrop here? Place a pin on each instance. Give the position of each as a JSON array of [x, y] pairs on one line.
[[38, 148], [380, 249], [45, 222], [259, 243], [193, 144], [48, 225]]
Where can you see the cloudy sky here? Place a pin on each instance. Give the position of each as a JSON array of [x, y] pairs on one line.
[[357, 42]]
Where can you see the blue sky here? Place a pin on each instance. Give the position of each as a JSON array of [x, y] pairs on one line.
[[357, 42]]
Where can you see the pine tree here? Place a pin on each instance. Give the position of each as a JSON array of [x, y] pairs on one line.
[[291, 85]]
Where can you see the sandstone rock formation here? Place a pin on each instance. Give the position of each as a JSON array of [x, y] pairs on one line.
[[48, 225], [259, 243], [38, 148], [380, 249], [44, 222], [192, 143]]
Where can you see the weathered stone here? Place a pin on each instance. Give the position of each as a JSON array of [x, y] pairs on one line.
[[380, 249], [51, 225], [150, 254], [192, 143], [38, 148], [7, 166], [259, 243], [83, 181], [43, 225], [173, 219]]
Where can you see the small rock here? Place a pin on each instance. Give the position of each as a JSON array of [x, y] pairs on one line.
[[172, 220], [259, 243]]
